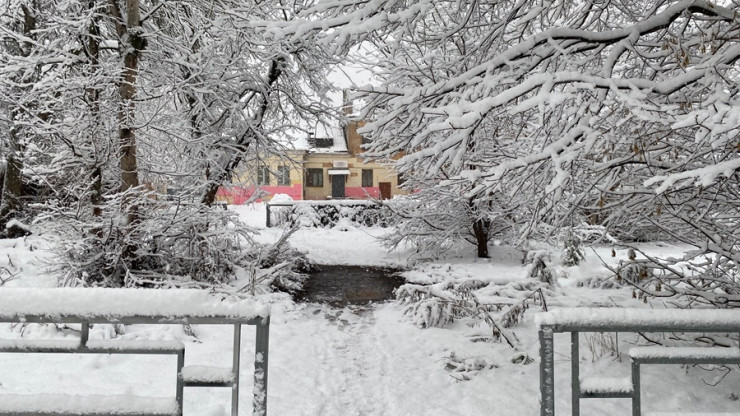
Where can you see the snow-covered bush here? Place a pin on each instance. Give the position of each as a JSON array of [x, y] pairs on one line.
[[437, 305], [276, 266], [464, 368], [436, 219], [174, 245], [329, 214], [168, 245], [538, 266], [572, 254]]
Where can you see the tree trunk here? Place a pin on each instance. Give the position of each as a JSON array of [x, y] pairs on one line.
[[131, 34], [480, 229], [12, 182], [92, 94], [132, 43], [12, 186]]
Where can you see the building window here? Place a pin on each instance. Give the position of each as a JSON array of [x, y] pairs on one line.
[[367, 178], [401, 179], [263, 175], [315, 177], [283, 176]]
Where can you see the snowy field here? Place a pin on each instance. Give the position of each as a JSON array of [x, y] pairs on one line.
[[366, 360]]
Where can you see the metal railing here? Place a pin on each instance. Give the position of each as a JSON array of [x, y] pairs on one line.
[[577, 320], [84, 345]]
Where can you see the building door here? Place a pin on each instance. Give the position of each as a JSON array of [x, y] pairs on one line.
[[337, 186], [385, 190]]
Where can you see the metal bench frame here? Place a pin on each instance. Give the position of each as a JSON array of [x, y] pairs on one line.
[[636, 362], [260, 362], [547, 352]]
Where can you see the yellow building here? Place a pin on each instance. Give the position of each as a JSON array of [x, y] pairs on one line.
[[320, 168]]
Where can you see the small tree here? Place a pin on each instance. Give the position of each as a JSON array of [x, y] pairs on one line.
[[572, 254], [433, 219]]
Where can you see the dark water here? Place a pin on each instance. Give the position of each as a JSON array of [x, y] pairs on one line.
[[350, 285]]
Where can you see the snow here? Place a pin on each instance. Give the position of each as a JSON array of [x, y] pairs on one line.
[[207, 374], [368, 360], [325, 202], [704, 176], [51, 345], [17, 224], [606, 385], [689, 414], [39, 344], [112, 303], [93, 404], [642, 319], [691, 353]]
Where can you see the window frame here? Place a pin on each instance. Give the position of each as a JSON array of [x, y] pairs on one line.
[[263, 175], [312, 174], [365, 173], [283, 175]]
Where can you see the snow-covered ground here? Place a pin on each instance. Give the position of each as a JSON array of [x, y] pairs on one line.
[[365, 360]]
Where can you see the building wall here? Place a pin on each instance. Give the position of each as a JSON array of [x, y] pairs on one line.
[[244, 184], [353, 184]]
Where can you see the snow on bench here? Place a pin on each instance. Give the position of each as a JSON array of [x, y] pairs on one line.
[[201, 375], [606, 386], [685, 355], [94, 346], [61, 404], [101, 305]]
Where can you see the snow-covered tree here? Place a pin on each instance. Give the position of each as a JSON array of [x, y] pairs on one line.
[[622, 114], [139, 97], [435, 217], [19, 42]]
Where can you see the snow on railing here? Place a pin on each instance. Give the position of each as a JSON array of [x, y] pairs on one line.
[[633, 320], [177, 304], [88, 306]]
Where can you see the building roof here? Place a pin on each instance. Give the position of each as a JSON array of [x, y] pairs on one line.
[[324, 140]]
